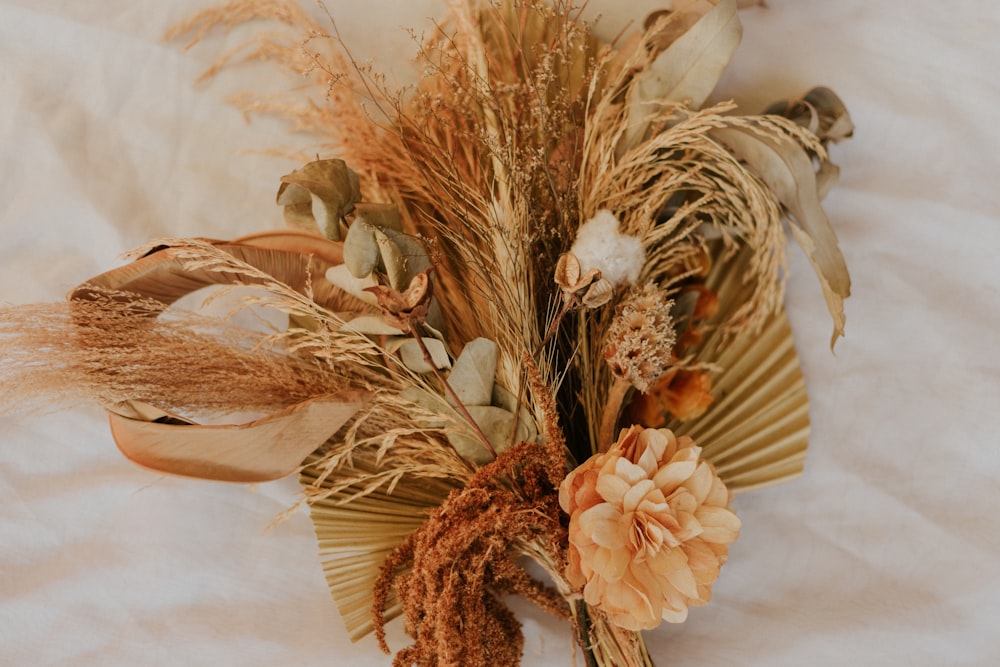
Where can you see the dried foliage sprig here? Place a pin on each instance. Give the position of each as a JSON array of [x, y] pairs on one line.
[[462, 559]]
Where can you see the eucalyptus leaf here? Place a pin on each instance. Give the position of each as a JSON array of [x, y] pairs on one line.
[[497, 425], [527, 429], [393, 261], [787, 169], [413, 357], [685, 72], [383, 216], [361, 251], [290, 194], [371, 325], [333, 190], [328, 217], [475, 370], [495, 421], [469, 447], [340, 276], [402, 256], [300, 216]]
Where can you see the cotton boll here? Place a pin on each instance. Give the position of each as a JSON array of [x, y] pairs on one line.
[[598, 245]]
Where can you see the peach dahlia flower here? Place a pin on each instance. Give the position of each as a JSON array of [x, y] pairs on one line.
[[649, 528]]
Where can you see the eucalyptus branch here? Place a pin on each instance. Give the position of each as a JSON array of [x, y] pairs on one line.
[[459, 405]]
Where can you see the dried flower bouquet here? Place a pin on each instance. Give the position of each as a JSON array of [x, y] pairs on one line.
[[534, 316]]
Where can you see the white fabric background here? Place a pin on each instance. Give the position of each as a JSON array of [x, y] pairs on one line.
[[884, 553]]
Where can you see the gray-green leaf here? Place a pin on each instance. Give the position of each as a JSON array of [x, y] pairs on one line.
[[786, 168], [685, 72]]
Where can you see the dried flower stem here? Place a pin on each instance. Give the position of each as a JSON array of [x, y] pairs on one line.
[[612, 409], [567, 306], [582, 622]]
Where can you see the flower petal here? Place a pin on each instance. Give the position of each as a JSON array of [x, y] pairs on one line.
[[673, 475], [719, 524]]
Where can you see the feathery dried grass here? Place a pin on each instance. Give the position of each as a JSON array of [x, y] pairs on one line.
[[481, 157], [111, 349]]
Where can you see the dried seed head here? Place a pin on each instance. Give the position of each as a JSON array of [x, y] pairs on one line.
[[408, 309], [641, 338], [590, 288]]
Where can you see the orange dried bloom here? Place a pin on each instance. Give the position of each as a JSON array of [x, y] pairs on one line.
[[649, 528], [681, 394]]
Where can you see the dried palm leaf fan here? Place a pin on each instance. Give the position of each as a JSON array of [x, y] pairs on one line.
[[756, 429], [358, 527]]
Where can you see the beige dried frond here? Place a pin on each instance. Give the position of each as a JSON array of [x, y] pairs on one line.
[[682, 183], [111, 349], [756, 431], [367, 491]]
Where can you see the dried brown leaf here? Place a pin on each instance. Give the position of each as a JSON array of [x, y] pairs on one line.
[[295, 258], [686, 72], [261, 450], [786, 168], [821, 111], [329, 186]]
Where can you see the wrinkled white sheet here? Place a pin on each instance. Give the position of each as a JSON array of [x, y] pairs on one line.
[[884, 553]]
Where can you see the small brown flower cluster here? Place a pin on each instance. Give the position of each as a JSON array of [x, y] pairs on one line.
[[641, 338], [449, 574], [680, 394]]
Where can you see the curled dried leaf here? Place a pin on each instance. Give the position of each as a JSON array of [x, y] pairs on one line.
[[406, 310], [261, 450], [687, 70], [591, 290], [361, 250], [598, 294], [664, 26], [383, 216], [326, 190], [412, 354], [787, 169], [294, 258], [821, 111]]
